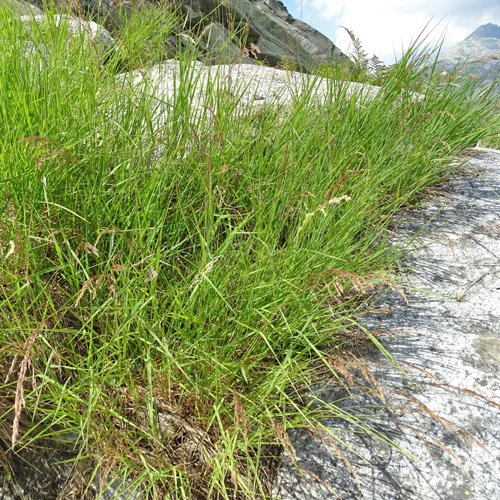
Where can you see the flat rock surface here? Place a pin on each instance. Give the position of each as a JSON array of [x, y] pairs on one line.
[[446, 336], [251, 85]]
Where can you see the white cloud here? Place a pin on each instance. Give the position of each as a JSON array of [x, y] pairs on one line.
[[388, 26], [328, 9]]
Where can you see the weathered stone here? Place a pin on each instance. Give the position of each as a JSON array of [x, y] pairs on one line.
[[270, 27], [251, 85], [222, 30], [91, 30], [20, 7], [445, 333], [108, 11], [53, 472], [216, 39]]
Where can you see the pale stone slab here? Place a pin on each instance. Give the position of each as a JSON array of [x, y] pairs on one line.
[[451, 351]]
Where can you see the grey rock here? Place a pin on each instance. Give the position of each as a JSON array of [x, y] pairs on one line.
[[445, 333], [216, 39], [223, 29], [115, 13], [20, 7], [248, 87], [107, 12], [36, 56], [91, 30], [117, 489], [270, 27], [251, 85], [49, 474]]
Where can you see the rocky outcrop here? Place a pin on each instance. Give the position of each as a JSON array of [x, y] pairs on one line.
[[90, 30], [250, 87], [268, 25], [444, 331], [230, 30], [478, 54], [20, 7]]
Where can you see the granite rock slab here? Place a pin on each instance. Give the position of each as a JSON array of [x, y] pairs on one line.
[[444, 331]]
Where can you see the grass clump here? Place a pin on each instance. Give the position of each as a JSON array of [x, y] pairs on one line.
[[287, 63], [146, 36], [171, 288]]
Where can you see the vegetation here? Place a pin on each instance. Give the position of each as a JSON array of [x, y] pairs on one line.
[[173, 281], [492, 141], [361, 68], [288, 64], [143, 39]]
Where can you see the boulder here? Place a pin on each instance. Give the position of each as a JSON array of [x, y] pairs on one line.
[[268, 25], [229, 29], [441, 402], [92, 31], [107, 12], [216, 39], [20, 7], [249, 86], [37, 53]]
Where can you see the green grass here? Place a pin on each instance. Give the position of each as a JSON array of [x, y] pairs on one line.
[[214, 282], [492, 140]]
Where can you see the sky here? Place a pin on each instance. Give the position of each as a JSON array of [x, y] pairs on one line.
[[386, 27]]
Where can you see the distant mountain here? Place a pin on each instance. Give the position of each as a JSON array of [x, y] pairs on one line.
[[478, 54], [485, 50], [486, 31]]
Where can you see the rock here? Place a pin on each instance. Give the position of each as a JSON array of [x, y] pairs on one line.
[[37, 57], [230, 26], [252, 86], [31, 13], [51, 473], [107, 11], [215, 39], [270, 27], [20, 7], [92, 31], [445, 333]]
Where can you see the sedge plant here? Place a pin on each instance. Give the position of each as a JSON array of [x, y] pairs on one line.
[[170, 289]]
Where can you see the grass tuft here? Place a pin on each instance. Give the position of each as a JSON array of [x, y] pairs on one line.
[[173, 288]]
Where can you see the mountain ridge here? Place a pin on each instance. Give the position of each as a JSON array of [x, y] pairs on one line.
[[488, 30]]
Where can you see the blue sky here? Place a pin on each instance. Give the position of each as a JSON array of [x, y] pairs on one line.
[[386, 26]]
